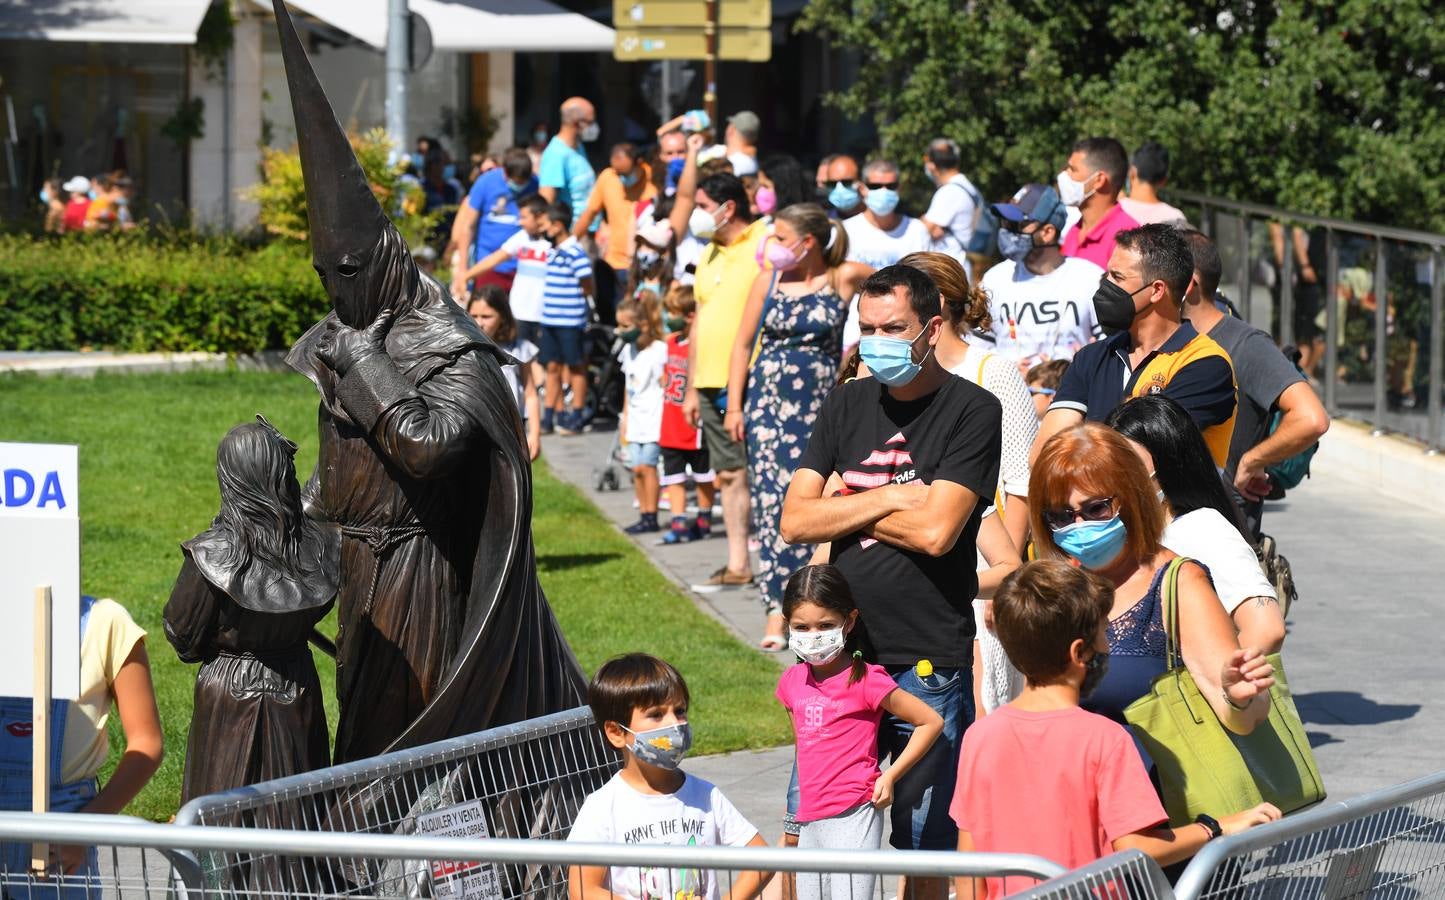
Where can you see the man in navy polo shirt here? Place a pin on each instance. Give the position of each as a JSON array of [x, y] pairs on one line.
[[489, 217], [1139, 302]]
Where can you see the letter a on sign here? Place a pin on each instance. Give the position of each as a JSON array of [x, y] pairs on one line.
[[39, 545]]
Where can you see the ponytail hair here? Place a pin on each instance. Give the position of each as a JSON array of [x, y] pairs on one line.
[[810, 219], [824, 585], [965, 307]]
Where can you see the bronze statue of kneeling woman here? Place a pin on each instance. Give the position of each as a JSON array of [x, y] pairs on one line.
[[250, 591]]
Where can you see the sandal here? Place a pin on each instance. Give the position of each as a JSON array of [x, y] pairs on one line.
[[773, 643]]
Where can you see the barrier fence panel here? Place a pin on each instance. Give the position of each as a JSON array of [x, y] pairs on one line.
[[525, 780], [1388, 844], [1130, 875], [109, 869], [470, 869], [1362, 303]]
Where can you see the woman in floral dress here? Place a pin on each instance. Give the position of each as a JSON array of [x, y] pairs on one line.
[[784, 362]]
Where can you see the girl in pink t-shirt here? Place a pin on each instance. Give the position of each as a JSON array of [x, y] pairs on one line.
[[837, 701]]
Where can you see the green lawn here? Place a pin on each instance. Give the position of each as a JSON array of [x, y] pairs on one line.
[[147, 482]]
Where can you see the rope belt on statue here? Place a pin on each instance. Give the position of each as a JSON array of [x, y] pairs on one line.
[[382, 540]]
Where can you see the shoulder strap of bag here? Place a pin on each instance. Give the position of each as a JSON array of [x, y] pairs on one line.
[[1171, 612]]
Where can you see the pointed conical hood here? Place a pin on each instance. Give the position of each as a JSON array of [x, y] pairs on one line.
[[341, 210]]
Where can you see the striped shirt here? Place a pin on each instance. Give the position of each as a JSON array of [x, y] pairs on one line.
[[564, 305]]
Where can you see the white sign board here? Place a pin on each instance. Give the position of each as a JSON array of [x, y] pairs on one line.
[[39, 544], [456, 880]]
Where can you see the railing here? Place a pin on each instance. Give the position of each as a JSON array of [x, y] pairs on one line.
[[1389, 843], [1131, 874], [525, 780], [457, 867], [1377, 292]]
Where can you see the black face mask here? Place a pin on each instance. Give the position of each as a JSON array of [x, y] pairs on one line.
[[1114, 307], [1094, 671]]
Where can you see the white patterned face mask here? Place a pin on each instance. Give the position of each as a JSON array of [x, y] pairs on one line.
[[662, 747], [818, 647]]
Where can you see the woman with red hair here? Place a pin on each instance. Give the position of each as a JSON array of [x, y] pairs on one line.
[[1091, 500]]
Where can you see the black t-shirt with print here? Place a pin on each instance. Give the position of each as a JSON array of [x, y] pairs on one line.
[[913, 606]]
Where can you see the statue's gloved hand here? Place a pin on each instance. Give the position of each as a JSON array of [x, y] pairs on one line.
[[342, 347]]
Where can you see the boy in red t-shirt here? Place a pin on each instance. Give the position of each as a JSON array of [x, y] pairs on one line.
[[682, 448], [1042, 776]]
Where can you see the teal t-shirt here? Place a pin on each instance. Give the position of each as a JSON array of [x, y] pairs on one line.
[[566, 168]]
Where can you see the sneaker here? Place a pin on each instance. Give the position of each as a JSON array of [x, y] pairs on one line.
[[546, 421], [678, 536], [584, 417], [568, 423], [645, 525], [724, 579], [699, 532]]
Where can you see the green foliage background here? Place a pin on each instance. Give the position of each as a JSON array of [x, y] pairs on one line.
[[1331, 108]]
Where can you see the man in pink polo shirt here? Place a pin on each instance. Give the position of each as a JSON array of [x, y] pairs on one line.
[[1091, 182]]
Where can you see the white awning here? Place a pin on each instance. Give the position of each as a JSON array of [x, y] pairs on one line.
[[103, 21], [469, 26]]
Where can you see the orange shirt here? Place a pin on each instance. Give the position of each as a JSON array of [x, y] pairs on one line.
[[619, 204]]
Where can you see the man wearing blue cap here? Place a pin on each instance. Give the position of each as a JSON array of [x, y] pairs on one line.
[[1041, 301]]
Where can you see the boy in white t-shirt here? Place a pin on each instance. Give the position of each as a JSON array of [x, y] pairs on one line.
[[651, 801], [531, 248]]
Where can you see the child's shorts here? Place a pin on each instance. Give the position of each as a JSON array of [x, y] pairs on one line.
[[677, 463], [562, 345], [643, 455]]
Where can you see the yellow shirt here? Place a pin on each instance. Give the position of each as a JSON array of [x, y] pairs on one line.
[[724, 277], [110, 635]]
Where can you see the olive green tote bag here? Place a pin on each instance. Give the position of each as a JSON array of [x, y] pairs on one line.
[[1203, 766]]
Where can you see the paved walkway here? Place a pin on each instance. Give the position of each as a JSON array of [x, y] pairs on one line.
[[1368, 570]]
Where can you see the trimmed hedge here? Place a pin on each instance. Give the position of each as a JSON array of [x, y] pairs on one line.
[[141, 293]]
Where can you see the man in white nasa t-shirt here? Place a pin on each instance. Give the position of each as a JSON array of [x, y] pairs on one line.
[[1041, 301]]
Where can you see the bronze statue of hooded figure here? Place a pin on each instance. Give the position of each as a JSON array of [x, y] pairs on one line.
[[443, 628], [250, 591]]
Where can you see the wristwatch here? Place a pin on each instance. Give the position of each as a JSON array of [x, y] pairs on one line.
[[1211, 823]]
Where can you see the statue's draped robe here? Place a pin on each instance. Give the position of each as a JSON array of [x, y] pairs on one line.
[[443, 626]]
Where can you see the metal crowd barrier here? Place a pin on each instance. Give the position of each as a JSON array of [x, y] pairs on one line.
[[1130, 875], [525, 780], [1387, 844], [123, 870], [1372, 303], [434, 866]]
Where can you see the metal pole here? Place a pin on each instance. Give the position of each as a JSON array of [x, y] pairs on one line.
[[1437, 349], [1206, 220], [1246, 304], [1285, 335], [1332, 320], [1381, 365], [398, 40], [709, 96], [666, 105]]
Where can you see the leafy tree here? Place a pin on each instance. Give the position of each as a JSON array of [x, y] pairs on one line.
[[1332, 108]]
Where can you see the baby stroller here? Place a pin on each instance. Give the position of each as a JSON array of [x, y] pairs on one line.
[[607, 476], [605, 383]]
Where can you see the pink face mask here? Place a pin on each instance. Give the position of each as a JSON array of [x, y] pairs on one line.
[[767, 200], [778, 256]]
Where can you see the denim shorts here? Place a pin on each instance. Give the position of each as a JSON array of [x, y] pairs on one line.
[[643, 455], [920, 818], [562, 345]]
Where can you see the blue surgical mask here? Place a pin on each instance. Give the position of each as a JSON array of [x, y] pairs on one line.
[[1013, 245], [629, 179], [882, 200], [90, 193], [843, 197], [1093, 544], [662, 747], [890, 359], [449, 171], [517, 187], [44, 197], [418, 161]]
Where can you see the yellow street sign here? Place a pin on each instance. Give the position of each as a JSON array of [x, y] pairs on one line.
[[738, 44], [690, 13]]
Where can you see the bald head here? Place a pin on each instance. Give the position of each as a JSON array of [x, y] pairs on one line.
[[577, 110], [843, 168]]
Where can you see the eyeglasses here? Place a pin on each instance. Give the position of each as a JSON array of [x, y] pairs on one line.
[[879, 185], [838, 182], [1099, 510]]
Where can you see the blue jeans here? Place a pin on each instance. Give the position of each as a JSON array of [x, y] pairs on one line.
[[921, 798]]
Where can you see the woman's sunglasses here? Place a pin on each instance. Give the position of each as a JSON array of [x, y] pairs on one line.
[[1100, 510]]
